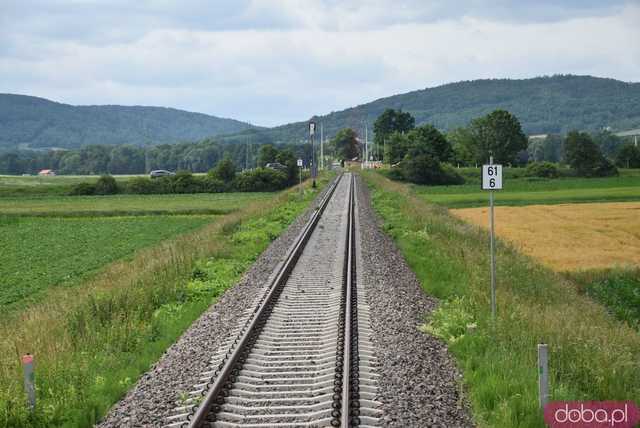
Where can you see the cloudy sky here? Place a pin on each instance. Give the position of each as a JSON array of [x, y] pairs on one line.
[[275, 61]]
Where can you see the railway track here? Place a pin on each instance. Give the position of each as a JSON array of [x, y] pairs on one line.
[[301, 356]]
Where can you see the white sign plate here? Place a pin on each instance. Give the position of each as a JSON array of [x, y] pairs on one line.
[[312, 128], [491, 177], [300, 162]]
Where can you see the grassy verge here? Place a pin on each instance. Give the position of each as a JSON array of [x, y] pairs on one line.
[[592, 355], [528, 191], [617, 289], [12, 185], [92, 342]]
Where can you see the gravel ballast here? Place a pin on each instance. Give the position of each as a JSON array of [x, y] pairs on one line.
[[419, 381], [154, 396], [418, 384]]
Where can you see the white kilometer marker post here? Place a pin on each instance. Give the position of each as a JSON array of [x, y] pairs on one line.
[[543, 374], [492, 180]]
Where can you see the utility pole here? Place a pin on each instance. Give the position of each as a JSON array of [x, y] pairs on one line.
[[366, 142], [384, 149], [246, 155], [314, 167], [321, 147]]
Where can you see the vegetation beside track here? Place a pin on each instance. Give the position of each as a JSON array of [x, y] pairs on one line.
[[91, 342], [616, 288], [592, 355], [110, 205], [520, 190]]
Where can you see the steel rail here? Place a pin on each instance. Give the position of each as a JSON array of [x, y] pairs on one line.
[[226, 369], [345, 420]]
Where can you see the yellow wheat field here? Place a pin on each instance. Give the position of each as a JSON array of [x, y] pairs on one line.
[[568, 237]]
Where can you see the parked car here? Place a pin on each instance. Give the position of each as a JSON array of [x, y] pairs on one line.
[[161, 173], [277, 166]]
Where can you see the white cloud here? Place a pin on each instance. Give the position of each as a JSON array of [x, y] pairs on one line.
[[277, 61]]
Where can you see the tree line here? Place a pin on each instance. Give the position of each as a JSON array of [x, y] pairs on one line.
[[425, 155], [224, 177], [126, 159]]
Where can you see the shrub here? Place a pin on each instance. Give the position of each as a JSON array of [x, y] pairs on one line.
[[185, 182], [584, 155], [212, 184], [628, 156], [225, 170], [143, 186], [424, 169], [605, 168], [542, 169], [84, 188], [106, 185], [261, 180]]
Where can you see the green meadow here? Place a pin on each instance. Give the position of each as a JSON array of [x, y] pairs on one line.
[[520, 190], [594, 346], [97, 296]]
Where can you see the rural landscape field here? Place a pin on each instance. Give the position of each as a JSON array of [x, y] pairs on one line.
[[285, 214], [114, 275]]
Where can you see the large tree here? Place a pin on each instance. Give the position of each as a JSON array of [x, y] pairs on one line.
[[426, 139], [389, 122], [267, 154], [584, 155], [345, 144], [628, 156], [499, 134]]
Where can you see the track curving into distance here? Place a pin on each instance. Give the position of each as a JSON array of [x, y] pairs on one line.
[[303, 356]]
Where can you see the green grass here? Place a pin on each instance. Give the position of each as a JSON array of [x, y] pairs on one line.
[[592, 355], [37, 181], [92, 342], [37, 253], [528, 191], [15, 185], [618, 289], [76, 206]]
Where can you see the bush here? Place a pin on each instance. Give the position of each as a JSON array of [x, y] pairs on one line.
[[212, 184], [542, 169], [261, 180], [605, 168], [82, 189], [424, 169], [225, 170], [584, 155], [185, 182], [143, 186], [106, 185]]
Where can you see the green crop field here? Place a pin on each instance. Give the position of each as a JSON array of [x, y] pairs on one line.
[[528, 191], [201, 203], [96, 308], [38, 253], [59, 180]]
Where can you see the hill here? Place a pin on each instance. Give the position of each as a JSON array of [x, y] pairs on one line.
[[554, 104], [31, 122]]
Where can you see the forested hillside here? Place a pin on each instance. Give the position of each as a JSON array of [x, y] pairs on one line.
[[555, 104], [30, 122], [543, 105]]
